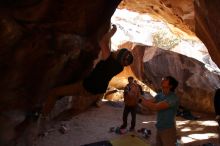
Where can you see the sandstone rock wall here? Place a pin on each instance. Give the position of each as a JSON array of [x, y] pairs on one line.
[[44, 44], [196, 83]]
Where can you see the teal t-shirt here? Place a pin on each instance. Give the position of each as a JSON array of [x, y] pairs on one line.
[[166, 117]]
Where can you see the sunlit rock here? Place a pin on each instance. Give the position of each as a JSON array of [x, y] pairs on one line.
[[196, 83]]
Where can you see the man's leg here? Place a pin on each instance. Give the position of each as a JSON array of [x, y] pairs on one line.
[[158, 139], [125, 116], [79, 104], [72, 89], [168, 137], [133, 118]]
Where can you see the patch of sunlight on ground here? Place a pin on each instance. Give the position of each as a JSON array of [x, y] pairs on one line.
[[185, 129], [195, 137], [179, 123], [203, 136], [190, 129], [147, 122], [208, 123], [186, 139], [204, 123]]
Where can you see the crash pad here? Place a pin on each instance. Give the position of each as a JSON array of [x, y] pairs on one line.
[[100, 143], [129, 140]]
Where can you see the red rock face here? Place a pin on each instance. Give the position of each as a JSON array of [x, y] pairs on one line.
[[44, 44], [184, 10], [179, 14], [207, 25]]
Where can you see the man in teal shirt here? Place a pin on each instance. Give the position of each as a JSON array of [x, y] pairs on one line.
[[166, 104]]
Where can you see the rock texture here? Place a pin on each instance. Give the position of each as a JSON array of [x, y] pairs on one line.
[[44, 44], [199, 16], [184, 9], [196, 82], [170, 11], [207, 24]]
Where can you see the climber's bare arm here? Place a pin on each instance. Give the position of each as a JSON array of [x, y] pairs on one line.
[[105, 42]]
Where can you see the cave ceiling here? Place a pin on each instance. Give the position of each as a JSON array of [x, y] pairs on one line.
[[199, 17]]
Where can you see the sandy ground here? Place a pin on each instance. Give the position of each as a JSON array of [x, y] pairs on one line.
[[94, 124]]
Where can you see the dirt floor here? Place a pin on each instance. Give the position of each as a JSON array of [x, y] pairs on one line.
[[94, 124]]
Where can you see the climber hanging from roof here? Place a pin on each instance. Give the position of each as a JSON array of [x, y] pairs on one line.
[[95, 84]]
